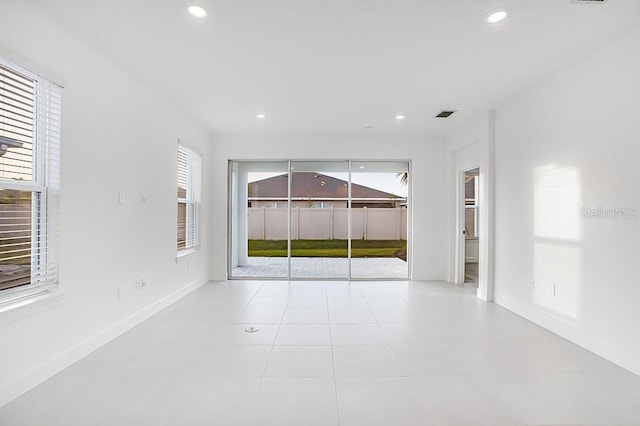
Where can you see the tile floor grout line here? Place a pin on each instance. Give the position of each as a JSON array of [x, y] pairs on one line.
[[275, 338], [371, 311], [364, 396], [264, 370], [252, 297], [333, 361]]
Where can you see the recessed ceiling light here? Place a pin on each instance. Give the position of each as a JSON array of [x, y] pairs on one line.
[[497, 15], [197, 11], [361, 167], [399, 117], [261, 116]]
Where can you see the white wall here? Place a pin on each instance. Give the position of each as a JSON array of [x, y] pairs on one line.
[[115, 135], [428, 172], [573, 141]]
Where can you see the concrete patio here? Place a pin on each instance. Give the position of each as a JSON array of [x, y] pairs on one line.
[[323, 267]]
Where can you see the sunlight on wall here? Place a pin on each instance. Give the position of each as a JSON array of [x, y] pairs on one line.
[[557, 225], [557, 196]]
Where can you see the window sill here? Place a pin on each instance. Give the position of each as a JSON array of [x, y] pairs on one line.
[[186, 252], [28, 298]]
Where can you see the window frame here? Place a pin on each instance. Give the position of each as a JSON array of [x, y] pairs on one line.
[[321, 205], [275, 204], [473, 205], [192, 200], [44, 186]]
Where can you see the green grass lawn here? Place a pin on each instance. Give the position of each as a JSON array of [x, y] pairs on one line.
[[328, 248]]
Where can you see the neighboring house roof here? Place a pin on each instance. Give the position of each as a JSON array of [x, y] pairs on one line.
[[313, 185]]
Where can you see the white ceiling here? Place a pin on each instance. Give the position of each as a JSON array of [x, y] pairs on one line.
[[337, 66]]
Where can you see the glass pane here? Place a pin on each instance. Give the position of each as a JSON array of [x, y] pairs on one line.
[[471, 204], [379, 192], [192, 225], [259, 208], [470, 222], [319, 219], [16, 125], [182, 226], [15, 238], [182, 174]]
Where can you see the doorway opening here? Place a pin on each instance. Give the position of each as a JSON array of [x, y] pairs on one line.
[[471, 234], [342, 219]]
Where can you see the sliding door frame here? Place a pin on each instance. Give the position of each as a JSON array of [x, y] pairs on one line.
[[230, 218]]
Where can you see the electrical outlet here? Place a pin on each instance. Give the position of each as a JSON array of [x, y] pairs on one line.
[[532, 283], [140, 284], [124, 292]]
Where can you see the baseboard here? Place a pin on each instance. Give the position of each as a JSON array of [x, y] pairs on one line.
[[43, 372], [573, 334]]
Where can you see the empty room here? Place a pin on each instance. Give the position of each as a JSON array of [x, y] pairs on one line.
[[348, 213]]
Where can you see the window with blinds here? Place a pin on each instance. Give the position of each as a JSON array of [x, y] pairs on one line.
[[29, 183], [189, 198]]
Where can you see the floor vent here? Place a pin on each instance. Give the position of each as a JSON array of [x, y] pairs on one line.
[[444, 114], [590, 1]]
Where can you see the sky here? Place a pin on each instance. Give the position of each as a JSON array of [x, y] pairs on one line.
[[387, 182]]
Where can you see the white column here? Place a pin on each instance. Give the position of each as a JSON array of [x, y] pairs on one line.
[[264, 222], [233, 237], [242, 217], [333, 225], [365, 222]]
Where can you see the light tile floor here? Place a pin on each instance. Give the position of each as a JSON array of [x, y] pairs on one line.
[[334, 353], [324, 267]]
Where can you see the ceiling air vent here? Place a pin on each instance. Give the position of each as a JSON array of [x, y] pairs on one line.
[[444, 114], [590, 1]]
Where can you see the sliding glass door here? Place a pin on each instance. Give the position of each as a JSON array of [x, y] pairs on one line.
[[319, 219], [379, 219], [258, 213]]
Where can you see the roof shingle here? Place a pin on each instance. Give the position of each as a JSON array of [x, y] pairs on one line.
[[310, 184]]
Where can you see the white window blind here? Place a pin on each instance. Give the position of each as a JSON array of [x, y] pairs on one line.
[[189, 198], [30, 109]]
